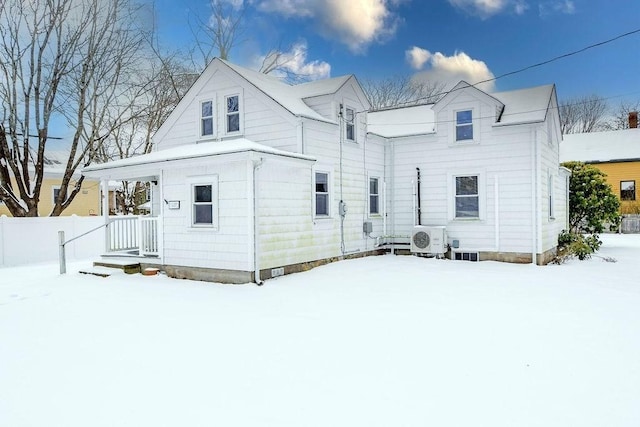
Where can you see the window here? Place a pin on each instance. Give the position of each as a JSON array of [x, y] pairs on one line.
[[233, 113], [550, 194], [202, 204], [322, 194], [464, 125], [374, 196], [55, 192], [206, 118], [350, 126], [467, 200], [627, 190]]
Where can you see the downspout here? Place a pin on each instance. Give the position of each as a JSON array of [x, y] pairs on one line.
[[392, 196], [105, 213], [418, 196], [256, 236], [496, 187], [534, 198], [341, 206]]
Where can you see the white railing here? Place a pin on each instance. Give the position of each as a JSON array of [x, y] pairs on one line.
[[134, 233]]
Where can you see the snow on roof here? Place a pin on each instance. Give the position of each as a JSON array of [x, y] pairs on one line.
[[524, 105], [321, 87], [611, 146], [290, 97], [191, 151], [403, 121]]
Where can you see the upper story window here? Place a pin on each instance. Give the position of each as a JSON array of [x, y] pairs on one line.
[[467, 198], [464, 125], [627, 190], [374, 196], [322, 194], [206, 118], [350, 126], [233, 113]]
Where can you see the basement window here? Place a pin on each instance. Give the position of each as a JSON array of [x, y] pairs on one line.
[[466, 256]]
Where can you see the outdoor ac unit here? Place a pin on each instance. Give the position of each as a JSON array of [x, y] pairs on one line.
[[428, 240]]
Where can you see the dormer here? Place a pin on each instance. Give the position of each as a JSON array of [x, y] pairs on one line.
[[461, 112]]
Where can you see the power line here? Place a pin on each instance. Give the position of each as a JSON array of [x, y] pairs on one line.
[[539, 64]]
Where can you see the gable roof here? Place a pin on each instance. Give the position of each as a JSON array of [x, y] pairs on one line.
[[525, 105], [290, 96], [464, 86], [600, 147]]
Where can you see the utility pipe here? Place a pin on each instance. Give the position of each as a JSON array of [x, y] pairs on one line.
[[256, 236], [418, 196]]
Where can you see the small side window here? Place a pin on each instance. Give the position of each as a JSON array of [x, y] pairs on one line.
[[350, 126], [206, 118], [202, 204], [233, 113], [322, 193], [374, 196], [467, 198]]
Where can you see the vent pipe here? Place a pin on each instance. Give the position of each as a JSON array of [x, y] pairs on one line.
[[418, 191]]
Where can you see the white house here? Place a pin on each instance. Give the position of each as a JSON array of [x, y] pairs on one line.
[[253, 178]]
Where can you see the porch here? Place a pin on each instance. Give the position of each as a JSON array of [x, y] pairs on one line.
[[133, 236]]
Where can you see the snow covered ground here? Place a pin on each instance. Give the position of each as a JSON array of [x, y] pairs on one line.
[[380, 341]]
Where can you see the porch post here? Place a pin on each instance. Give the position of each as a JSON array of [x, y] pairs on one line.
[[105, 212]]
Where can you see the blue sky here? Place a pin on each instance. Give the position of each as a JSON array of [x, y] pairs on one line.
[[443, 40]]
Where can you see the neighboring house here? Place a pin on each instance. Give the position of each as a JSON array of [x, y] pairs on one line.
[[253, 178], [85, 203], [617, 154]]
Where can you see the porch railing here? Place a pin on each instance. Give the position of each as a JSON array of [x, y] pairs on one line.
[[134, 233]]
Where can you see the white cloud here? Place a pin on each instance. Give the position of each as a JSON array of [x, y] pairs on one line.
[[567, 7], [294, 64], [488, 8], [449, 70], [417, 57], [353, 23]]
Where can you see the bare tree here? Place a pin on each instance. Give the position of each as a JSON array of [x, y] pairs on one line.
[[620, 115], [401, 90], [583, 114], [161, 86], [60, 60], [220, 33]]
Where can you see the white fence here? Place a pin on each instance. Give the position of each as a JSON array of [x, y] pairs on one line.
[[35, 240]]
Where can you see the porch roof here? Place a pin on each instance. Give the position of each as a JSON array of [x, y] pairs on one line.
[[192, 151]]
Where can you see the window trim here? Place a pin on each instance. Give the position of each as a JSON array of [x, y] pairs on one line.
[[201, 118], [634, 190], [457, 125], [327, 193], [53, 194], [482, 194], [377, 195], [215, 202]]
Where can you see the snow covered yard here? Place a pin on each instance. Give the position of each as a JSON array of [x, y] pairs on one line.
[[380, 341]]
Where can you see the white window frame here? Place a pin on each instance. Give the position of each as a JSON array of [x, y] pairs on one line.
[[316, 193], [215, 209], [377, 195], [634, 189], [457, 125], [202, 118], [481, 180], [53, 194], [239, 113], [350, 123]]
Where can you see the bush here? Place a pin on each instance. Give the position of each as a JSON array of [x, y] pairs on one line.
[[572, 245]]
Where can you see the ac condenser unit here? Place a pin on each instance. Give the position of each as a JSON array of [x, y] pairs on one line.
[[428, 240]]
